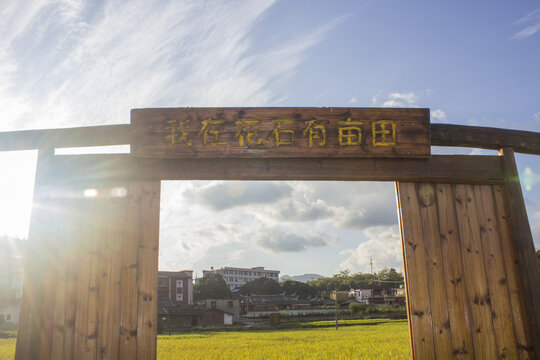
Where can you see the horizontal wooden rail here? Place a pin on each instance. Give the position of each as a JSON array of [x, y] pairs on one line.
[[104, 135], [118, 168], [527, 142]]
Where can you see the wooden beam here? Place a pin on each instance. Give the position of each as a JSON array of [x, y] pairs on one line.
[[293, 132], [70, 137], [438, 168], [523, 241], [526, 142]]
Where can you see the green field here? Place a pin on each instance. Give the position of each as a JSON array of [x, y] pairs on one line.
[[356, 339]]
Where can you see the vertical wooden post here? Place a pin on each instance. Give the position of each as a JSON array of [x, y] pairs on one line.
[[523, 242], [32, 313]]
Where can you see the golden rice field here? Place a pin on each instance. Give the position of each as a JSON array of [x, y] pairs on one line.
[[7, 349], [380, 339], [384, 340]]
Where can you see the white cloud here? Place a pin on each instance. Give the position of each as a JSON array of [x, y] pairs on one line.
[[375, 98], [401, 99], [308, 217], [276, 240], [352, 100], [529, 178], [103, 59], [397, 99], [537, 116], [439, 115], [220, 196], [384, 245], [533, 21]]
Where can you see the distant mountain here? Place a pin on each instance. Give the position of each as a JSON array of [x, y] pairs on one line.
[[302, 278]]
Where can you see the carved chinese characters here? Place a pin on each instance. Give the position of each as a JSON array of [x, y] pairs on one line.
[[281, 132], [349, 133]]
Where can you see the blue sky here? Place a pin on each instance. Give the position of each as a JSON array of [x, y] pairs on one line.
[[82, 63]]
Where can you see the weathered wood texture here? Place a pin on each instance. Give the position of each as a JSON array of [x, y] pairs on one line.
[[462, 282], [91, 275], [438, 168], [527, 142], [280, 132], [526, 256], [63, 138], [441, 135]]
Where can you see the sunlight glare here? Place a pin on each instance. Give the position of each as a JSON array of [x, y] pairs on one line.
[[90, 192], [16, 191]]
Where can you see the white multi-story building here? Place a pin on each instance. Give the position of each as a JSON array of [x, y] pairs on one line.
[[235, 277]]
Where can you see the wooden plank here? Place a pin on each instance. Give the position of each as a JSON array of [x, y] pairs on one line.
[[36, 317], [67, 220], [475, 273], [458, 307], [420, 316], [148, 270], [280, 132], [495, 272], [86, 238], [60, 224], [104, 286], [68, 137], [441, 135], [525, 252], [114, 234], [130, 265], [405, 271], [49, 270], [74, 219], [435, 270], [27, 346], [90, 340], [521, 323], [527, 142], [439, 168]]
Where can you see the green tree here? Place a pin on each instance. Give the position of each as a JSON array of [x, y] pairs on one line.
[[344, 280], [211, 286], [261, 286], [389, 278], [303, 290]]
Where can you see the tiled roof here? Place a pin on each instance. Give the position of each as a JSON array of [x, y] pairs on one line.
[[167, 307], [280, 299]]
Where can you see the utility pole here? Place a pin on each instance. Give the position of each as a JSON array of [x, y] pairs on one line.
[[336, 311], [371, 264]]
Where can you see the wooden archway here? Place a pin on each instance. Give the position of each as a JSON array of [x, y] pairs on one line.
[[90, 282]]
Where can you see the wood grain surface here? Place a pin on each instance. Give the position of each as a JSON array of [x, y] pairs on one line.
[[460, 277], [92, 288], [280, 132]]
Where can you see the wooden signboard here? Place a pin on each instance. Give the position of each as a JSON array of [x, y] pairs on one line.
[[280, 132]]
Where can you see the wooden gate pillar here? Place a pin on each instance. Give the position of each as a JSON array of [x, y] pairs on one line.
[[527, 262], [464, 296], [90, 287]]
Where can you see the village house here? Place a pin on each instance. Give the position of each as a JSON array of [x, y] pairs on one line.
[[394, 296], [231, 306], [9, 316], [172, 317], [176, 286], [272, 302], [235, 277]]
